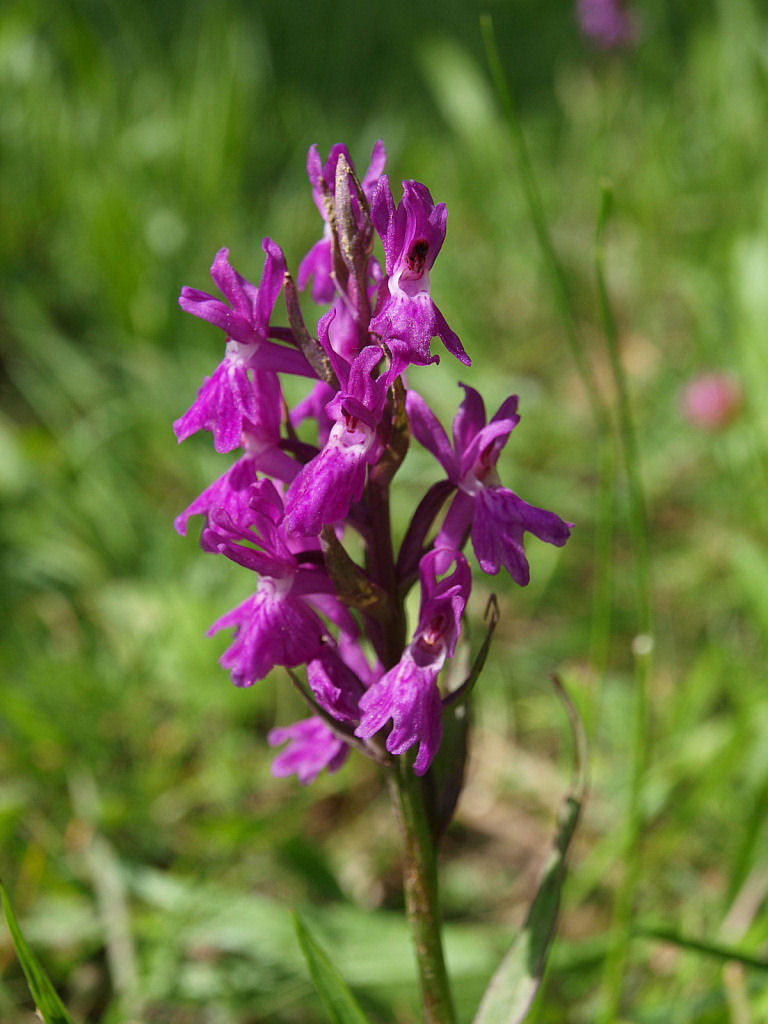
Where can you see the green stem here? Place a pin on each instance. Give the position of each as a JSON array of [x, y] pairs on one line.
[[621, 928], [421, 898], [616, 960], [407, 790], [602, 597], [638, 518], [561, 292], [381, 567]]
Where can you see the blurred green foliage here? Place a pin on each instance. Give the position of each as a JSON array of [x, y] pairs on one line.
[[145, 845]]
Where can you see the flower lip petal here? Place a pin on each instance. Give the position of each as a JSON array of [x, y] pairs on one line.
[[408, 695], [501, 519], [311, 748]]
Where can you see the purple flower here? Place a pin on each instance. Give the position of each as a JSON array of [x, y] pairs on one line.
[[233, 395], [327, 486], [336, 687], [271, 628], [231, 491], [311, 748], [408, 694], [496, 516], [343, 333], [275, 625], [406, 318], [261, 441], [607, 23], [317, 264]]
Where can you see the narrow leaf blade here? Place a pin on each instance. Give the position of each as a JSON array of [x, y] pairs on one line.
[[719, 950], [42, 991], [513, 987], [340, 1005]]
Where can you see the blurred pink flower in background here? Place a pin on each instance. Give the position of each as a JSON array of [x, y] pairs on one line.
[[710, 401], [607, 23]]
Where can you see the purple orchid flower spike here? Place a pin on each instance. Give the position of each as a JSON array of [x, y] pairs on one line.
[[314, 603], [327, 486], [312, 747], [495, 516], [275, 625], [408, 694], [317, 265], [232, 395], [406, 318]]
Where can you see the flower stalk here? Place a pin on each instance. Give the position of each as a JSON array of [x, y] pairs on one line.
[[421, 893]]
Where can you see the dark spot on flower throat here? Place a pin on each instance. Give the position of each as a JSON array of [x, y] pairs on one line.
[[417, 255]]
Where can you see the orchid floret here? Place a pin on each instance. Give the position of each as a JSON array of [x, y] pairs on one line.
[[408, 694], [494, 516], [406, 318]]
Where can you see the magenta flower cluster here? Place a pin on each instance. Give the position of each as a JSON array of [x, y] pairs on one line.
[[308, 480]]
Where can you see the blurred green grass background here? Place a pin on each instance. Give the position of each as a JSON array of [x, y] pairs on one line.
[[148, 851]]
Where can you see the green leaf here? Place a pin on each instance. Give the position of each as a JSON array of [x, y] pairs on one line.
[[512, 988], [463, 691], [340, 1005], [719, 950], [444, 781], [42, 991]]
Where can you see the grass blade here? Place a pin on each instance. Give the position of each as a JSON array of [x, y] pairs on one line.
[[719, 950], [340, 1005], [517, 979], [42, 991]]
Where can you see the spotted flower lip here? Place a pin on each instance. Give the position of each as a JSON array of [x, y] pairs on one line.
[[408, 693], [495, 516], [406, 318], [271, 628]]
